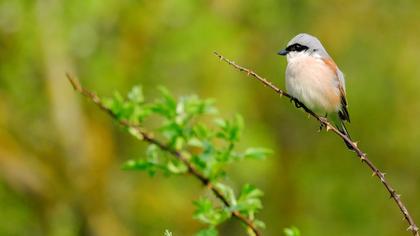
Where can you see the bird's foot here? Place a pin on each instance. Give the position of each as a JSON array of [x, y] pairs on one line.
[[321, 126], [322, 122], [297, 103]]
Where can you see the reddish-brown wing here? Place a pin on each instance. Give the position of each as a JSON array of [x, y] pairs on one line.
[[343, 113]]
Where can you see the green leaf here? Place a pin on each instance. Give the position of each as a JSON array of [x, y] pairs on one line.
[[249, 200], [176, 167], [211, 231], [131, 109], [137, 165], [171, 130], [209, 214], [167, 233], [236, 129], [164, 106], [249, 191], [220, 122], [199, 163], [257, 153], [208, 107], [167, 105], [192, 105], [195, 142], [169, 99], [136, 133], [114, 103], [141, 165], [144, 165], [152, 153], [151, 164], [292, 231], [227, 192], [179, 143], [136, 95], [230, 130], [259, 224], [201, 131]]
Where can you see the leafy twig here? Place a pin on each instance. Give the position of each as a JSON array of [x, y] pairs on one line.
[[148, 137], [363, 157]]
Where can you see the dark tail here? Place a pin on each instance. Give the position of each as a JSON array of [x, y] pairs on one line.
[[342, 128]]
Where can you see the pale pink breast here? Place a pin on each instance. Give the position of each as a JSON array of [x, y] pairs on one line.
[[313, 82]]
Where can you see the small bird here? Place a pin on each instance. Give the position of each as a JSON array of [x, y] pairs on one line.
[[313, 78]]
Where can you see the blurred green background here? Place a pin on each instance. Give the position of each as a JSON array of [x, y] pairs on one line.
[[60, 156]]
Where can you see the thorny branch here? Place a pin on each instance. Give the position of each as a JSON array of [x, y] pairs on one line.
[[148, 137], [324, 122]]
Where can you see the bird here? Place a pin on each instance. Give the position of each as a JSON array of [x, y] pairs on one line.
[[314, 79]]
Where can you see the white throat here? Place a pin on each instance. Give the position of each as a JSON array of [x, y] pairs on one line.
[[292, 56]]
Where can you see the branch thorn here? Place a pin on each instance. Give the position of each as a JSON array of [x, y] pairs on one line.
[[328, 128]]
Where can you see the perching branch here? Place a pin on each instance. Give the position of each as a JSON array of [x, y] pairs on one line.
[[324, 122], [148, 137]]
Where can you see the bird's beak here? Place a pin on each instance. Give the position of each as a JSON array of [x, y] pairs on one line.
[[283, 52]]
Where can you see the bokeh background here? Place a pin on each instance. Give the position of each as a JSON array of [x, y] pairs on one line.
[[60, 157]]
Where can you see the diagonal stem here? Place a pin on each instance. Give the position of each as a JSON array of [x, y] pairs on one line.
[[148, 137], [362, 156]]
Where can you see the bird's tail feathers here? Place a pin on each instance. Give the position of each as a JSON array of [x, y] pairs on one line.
[[342, 128], [339, 123]]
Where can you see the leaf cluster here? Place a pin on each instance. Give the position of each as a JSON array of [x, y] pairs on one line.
[[191, 126]]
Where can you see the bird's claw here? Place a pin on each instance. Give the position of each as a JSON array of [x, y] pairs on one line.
[[297, 103], [322, 125]]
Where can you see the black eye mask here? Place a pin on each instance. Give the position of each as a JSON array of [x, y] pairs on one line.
[[296, 48]]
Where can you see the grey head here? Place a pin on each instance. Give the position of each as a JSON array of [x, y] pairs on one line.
[[305, 43]]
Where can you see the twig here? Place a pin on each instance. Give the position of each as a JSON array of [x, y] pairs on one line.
[[363, 157], [148, 137]]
